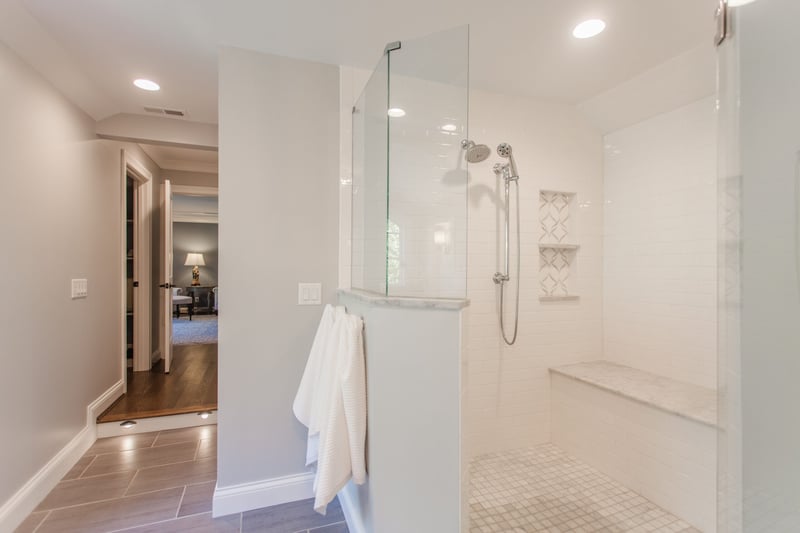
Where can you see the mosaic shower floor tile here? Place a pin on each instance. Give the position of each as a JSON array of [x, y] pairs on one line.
[[544, 489]]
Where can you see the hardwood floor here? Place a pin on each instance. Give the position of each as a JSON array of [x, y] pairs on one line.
[[191, 386], [161, 482]]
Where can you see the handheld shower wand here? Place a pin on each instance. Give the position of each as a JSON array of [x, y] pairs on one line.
[[504, 150], [509, 174]]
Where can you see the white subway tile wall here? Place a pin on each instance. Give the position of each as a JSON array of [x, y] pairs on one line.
[[660, 254], [508, 388]]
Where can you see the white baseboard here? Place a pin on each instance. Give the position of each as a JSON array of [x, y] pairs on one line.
[[352, 514], [158, 423], [103, 402], [266, 493], [25, 500]]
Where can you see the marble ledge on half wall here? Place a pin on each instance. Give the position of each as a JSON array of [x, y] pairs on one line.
[[410, 302]]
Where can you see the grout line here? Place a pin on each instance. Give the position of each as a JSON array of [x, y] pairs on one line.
[[129, 469], [165, 464], [80, 476], [42, 522], [125, 493], [180, 502], [142, 448], [106, 500], [166, 521], [326, 525]]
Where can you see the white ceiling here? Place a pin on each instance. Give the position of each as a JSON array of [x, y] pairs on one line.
[[186, 159], [517, 46]]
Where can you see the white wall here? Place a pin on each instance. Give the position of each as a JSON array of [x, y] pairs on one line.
[[279, 122], [675, 83], [660, 245], [61, 219], [509, 387]]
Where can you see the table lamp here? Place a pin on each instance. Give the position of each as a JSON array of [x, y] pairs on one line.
[[195, 261]]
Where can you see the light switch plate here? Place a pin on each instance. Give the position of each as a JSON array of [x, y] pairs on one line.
[[80, 288], [309, 293]]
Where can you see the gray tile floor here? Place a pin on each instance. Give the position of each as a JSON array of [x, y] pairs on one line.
[[160, 482], [544, 489]]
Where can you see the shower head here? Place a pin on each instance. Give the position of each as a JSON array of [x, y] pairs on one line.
[[476, 153], [504, 150]]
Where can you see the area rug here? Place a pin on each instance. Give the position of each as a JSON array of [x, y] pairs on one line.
[[202, 329]]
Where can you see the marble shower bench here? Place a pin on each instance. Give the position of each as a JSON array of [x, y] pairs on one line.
[[654, 434]]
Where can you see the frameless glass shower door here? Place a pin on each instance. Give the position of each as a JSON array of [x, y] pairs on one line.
[[409, 228], [370, 182]]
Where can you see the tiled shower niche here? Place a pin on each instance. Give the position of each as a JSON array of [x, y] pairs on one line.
[[557, 249]]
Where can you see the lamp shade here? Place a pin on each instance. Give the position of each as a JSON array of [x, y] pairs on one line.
[[193, 259]]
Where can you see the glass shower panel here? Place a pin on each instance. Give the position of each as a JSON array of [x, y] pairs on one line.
[[370, 187], [426, 244], [760, 294]]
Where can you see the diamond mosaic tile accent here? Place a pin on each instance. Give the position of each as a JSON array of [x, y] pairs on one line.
[[544, 489], [554, 271], [554, 216]]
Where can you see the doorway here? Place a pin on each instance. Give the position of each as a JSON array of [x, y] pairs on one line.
[[181, 378], [194, 266]]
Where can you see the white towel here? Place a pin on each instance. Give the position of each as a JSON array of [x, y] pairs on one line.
[[317, 380], [343, 435]]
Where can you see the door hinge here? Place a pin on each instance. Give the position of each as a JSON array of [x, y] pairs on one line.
[[164, 285], [723, 23]]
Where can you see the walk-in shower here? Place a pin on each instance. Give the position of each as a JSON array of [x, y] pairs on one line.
[[508, 173], [595, 404]]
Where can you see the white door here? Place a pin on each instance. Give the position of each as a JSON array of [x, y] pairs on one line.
[[166, 276]]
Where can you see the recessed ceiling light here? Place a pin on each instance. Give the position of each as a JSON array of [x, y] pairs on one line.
[[396, 112], [449, 127], [147, 85], [588, 28], [128, 424]]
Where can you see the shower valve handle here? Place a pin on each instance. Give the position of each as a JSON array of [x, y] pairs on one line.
[[499, 278]]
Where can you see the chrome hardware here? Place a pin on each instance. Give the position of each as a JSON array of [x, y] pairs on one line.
[[392, 46], [721, 17], [509, 174], [499, 278]]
